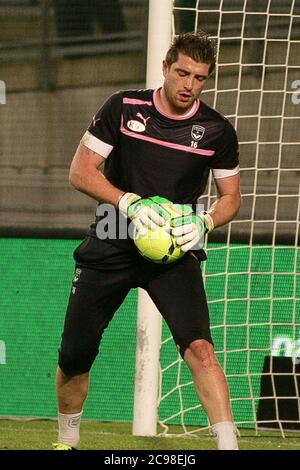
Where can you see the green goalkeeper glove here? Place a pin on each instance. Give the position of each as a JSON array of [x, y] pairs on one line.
[[189, 229], [144, 213]]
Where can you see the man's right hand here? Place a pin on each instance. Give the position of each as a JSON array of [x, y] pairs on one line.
[[144, 213]]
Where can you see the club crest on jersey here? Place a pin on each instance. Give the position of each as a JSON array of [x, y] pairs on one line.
[[136, 126], [197, 132]]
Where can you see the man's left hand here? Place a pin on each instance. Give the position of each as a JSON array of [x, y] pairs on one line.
[[189, 231]]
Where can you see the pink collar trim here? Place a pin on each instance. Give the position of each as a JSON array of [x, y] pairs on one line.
[[188, 115]]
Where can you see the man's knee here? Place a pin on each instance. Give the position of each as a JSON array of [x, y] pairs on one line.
[[75, 362], [202, 351]]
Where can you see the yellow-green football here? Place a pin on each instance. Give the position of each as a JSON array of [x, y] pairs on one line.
[[159, 246]]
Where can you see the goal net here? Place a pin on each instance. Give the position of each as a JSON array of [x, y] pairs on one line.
[[252, 272]]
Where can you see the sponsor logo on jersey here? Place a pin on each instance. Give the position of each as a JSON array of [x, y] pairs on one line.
[[95, 120], [139, 115], [136, 126], [197, 132]]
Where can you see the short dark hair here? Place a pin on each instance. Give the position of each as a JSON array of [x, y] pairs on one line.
[[199, 46]]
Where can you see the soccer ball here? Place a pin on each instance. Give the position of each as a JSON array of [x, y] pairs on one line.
[[159, 246]]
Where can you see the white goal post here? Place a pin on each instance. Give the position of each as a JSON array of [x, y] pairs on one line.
[[148, 318]]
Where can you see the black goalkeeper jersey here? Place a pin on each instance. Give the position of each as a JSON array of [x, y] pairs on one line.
[[150, 153]]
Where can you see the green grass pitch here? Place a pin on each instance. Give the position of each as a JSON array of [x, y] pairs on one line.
[[39, 434]]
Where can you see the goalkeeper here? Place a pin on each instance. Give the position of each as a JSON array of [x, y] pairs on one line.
[[162, 142]]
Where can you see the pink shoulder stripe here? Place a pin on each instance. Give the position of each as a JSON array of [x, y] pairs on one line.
[[134, 101], [184, 148]]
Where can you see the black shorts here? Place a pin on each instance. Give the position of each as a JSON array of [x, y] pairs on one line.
[[104, 274]]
